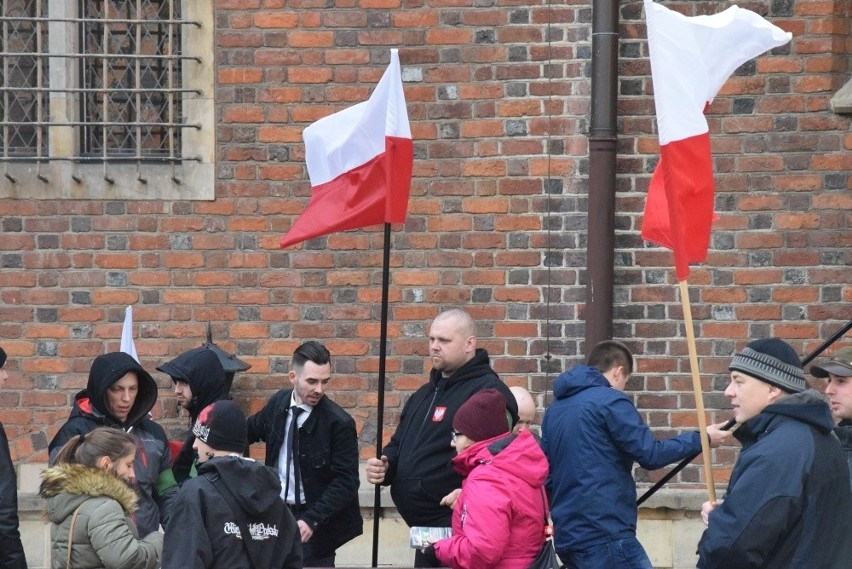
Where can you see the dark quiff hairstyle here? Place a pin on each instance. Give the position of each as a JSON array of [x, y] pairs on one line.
[[88, 449], [310, 351], [609, 354]]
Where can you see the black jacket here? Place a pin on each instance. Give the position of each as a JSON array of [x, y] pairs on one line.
[[328, 463], [11, 550], [788, 502], [154, 481], [419, 452], [203, 532], [203, 371], [844, 432]]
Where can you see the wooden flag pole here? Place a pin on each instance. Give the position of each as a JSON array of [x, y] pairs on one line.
[[696, 388]]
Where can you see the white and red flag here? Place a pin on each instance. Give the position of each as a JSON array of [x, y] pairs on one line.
[[691, 58], [359, 161]]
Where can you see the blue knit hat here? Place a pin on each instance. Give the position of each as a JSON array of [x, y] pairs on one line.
[[773, 361]]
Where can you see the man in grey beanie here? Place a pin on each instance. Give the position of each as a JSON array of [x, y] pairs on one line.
[[788, 502]]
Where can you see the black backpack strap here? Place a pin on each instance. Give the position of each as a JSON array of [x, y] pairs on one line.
[[238, 515]]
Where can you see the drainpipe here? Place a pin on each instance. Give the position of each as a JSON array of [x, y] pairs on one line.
[[600, 249]]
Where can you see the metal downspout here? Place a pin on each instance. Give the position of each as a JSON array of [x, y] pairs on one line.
[[600, 249]]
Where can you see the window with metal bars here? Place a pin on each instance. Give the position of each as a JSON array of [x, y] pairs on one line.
[[106, 99]]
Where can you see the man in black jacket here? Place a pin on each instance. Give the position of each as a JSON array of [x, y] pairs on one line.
[[321, 486], [11, 550], [416, 462], [199, 380], [838, 372], [120, 394], [220, 519]]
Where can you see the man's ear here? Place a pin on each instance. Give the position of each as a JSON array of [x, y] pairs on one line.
[[470, 344], [775, 393], [292, 376]]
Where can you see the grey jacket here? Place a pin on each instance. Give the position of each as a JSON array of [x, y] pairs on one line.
[[104, 536]]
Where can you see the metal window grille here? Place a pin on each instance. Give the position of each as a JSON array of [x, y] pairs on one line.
[[118, 61]]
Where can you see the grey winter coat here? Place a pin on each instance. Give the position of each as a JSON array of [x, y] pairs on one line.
[[104, 536]]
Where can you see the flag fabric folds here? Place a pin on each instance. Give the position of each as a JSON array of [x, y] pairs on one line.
[[359, 162], [127, 345], [691, 58]]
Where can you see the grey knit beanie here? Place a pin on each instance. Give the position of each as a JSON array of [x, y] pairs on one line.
[[773, 361]]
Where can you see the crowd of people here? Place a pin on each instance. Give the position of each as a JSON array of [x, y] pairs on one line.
[[463, 457]]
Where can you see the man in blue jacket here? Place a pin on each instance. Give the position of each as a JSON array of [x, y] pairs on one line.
[[788, 502], [592, 434]]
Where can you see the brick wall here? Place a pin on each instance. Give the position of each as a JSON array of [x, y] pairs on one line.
[[498, 101]]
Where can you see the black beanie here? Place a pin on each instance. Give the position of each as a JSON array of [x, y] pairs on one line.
[[2, 358], [773, 361], [222, 425], [483, 416]]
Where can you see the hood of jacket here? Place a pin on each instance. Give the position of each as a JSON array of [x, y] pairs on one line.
[[808, 407], [478, 366], [204, 373], [516, 455], [257, 498], [66, 486], [581, 377], [106, 370]]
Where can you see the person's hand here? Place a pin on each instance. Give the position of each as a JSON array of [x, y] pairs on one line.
[[717, 436], [706, 509], [305, 530], [376, 469], [450, 499]]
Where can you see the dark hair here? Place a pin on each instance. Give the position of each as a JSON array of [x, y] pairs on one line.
[[88, 449], [311, 351], [609, 354]]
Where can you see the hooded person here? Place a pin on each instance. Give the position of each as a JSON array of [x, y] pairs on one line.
[[214, 510], [500, 516], [199, 380], [121, 394], [788, 501]]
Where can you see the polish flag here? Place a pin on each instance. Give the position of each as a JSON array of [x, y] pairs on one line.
[[691, 58], [359, 162]]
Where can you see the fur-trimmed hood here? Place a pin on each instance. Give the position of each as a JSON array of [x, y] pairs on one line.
[[66, 486]]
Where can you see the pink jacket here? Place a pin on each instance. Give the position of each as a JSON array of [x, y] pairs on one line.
[[498, 520]]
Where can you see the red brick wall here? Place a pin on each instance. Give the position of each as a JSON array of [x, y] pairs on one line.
[[498, 102]]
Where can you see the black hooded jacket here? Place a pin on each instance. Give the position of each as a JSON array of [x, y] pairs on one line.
[[154, 481], [788, 502], [203, 371], [203, 531], [11, 550], [419, 452]]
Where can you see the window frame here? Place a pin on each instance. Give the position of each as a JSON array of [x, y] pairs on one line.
[[60, 175]]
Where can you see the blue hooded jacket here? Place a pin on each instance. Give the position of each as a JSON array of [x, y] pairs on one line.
[[592, 434]]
